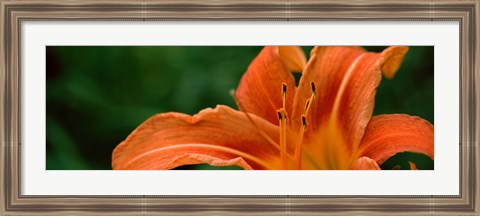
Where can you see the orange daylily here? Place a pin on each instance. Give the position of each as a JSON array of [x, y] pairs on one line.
[[324, 123]]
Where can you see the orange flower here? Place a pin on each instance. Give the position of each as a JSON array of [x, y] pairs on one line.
[[324, 123]]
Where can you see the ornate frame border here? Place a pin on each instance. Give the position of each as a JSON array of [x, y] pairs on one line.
[[14, 12]]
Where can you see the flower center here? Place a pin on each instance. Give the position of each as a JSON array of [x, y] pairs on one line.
[[283, 120]]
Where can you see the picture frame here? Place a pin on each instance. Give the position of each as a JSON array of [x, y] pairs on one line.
[[13, 13]]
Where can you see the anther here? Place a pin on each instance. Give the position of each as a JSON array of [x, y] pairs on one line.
[[313, 89], [304, 121], [284, 94], [280, 116]]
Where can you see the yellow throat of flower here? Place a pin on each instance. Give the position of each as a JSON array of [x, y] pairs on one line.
[[331, 153]]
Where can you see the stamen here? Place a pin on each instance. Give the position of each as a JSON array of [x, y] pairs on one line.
[[309, 100], [301, 133], [298, 145], [282, 117], [259, 129]]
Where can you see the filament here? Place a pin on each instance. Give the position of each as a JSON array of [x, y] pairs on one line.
[[298, 145], [282, 117]]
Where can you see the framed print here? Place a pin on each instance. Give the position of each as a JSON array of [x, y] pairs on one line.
[[234, 107]]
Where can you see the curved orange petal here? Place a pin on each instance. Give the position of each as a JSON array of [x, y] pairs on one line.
[[260, 89], [387, 135], [346, 79], [219, 137], [413, 166], [390, 60], [293, 57], [365, 163]]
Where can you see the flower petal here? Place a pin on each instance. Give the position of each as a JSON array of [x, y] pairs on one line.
[[219, 137], [387, 135], [365, 163], [260, 89], [293, 57], [391, 58], [413, 166], [346, 79]]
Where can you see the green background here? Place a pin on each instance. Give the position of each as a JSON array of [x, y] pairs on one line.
[[97, 95]]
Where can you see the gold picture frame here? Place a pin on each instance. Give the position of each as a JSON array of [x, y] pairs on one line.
[[13, 13]]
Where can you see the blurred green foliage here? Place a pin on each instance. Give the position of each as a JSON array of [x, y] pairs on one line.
[[97, 95]]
